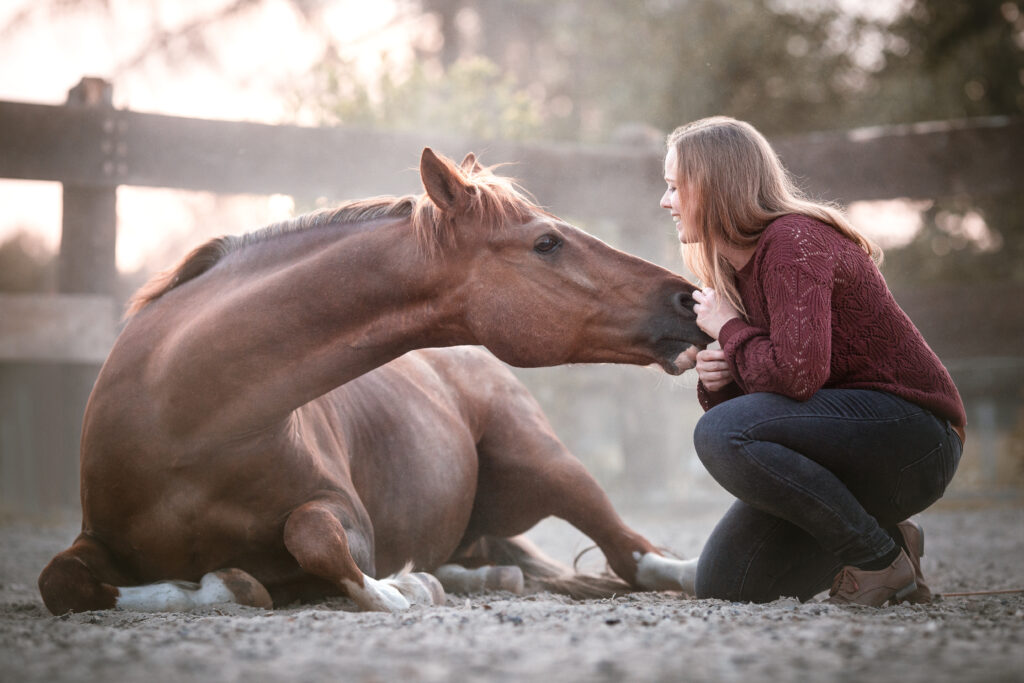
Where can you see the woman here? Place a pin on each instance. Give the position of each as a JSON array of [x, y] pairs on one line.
[[828, 416]]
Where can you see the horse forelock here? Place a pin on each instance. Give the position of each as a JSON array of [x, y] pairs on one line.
[[496, 202]]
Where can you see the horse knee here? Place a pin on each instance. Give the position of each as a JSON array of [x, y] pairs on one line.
[[67, 584], [316, 538]]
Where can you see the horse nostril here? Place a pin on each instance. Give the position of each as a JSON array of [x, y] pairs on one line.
[[682, 302]]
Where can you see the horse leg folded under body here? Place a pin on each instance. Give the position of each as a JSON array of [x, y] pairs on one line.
[[323, 547], [84, 578]]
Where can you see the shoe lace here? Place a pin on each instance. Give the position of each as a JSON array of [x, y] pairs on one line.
[[844, 582]]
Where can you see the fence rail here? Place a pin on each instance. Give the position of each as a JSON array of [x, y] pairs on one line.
[[99, 146]]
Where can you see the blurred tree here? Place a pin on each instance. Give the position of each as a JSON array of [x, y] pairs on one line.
[[948, 59], [953, 59], [26, 264], [471, 97], [589, 68], [601, 64]]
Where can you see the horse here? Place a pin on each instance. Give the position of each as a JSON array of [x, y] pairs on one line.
[[305, 411]]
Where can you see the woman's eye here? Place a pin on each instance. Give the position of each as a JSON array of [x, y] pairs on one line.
[[546, 244]]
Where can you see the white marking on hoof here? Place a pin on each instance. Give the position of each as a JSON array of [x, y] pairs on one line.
[[659, 573], [458, 579], [376, 596], [418, 588], [174, 596]]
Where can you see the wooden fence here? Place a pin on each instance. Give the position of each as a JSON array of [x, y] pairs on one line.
[[92, 148]]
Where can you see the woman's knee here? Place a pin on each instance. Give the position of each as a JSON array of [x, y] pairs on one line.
[[719, 435], [710, 434]]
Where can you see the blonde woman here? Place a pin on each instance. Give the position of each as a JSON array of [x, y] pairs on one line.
[[828, 416]]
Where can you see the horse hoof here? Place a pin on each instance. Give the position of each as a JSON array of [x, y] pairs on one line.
[[433, 586], [418, 588], [506, 578], [246, 589]]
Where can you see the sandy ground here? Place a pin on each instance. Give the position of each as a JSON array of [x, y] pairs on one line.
[[500, 637]]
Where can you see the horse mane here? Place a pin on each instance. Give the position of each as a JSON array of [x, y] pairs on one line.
[[495, 202]]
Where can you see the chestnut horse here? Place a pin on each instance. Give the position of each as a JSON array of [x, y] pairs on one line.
[[264, 424]]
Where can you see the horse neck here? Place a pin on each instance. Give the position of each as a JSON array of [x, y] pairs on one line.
[[375, 295], [302, 316]]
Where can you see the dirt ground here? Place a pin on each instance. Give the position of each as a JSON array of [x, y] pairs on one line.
[[500, 637]]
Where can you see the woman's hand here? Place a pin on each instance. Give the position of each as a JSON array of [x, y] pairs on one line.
[[712, 369], [712, 311]]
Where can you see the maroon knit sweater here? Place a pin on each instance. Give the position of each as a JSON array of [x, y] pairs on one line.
[[821, 316]]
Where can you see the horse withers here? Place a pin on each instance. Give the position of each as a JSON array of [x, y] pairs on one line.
[[265, 425]]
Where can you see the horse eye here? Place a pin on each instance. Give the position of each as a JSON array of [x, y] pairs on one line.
[[546, 244]]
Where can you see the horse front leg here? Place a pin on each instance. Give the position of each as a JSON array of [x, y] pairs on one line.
[[326, 548], [574, 495], [527, 474]]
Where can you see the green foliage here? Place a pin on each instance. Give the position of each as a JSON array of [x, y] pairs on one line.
[[954, 59], [473, 97]]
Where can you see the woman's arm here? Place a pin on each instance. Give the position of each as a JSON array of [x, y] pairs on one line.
[[793, 356]]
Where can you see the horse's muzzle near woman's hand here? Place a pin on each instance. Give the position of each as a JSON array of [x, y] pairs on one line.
[[713, 370]]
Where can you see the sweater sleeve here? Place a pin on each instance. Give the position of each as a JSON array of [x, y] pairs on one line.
[[792, 356], [709, 399]]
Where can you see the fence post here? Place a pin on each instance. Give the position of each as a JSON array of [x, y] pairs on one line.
[[86, 264]]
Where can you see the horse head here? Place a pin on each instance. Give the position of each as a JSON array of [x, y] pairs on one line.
[[538, 291]]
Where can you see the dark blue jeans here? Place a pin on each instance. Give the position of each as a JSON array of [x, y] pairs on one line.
[[820, 484]]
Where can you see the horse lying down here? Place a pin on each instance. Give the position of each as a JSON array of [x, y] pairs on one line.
[[291, 414]]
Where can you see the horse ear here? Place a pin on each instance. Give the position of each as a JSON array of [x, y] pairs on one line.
[[443, 182], [470, 164]]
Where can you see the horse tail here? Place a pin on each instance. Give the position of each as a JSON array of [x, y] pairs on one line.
[[542, 573]]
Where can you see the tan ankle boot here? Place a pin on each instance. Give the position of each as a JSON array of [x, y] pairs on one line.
[[913, 536], [854, 586]]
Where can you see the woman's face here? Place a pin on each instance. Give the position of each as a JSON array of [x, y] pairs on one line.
[[677, 200]]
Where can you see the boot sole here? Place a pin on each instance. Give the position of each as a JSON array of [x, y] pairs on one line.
[[903, 592]]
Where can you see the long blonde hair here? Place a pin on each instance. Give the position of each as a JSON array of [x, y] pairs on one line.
[[739, 186]]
